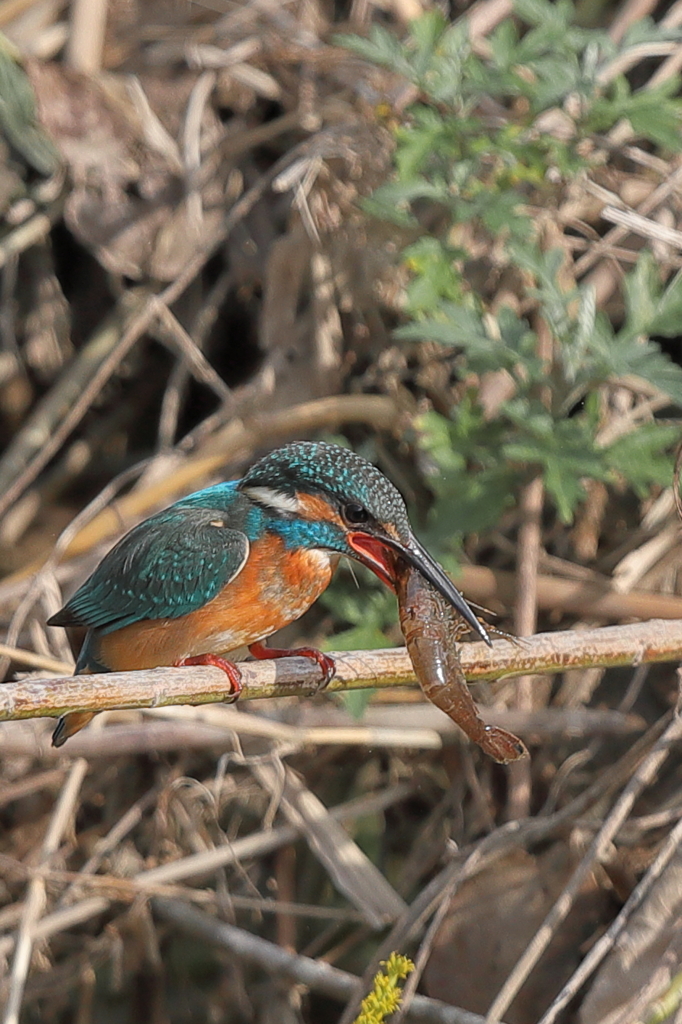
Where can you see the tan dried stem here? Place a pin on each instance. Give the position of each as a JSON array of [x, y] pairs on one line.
[[197, 865], [676, 480], [314, 974], [608, 939], [654, 641], [35, 898], [643, 777], [86, 40], [529, 544]]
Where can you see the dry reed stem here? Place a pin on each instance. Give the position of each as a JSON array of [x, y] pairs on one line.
[[525, 619], [612, 646], [643, 777], [33, 660], [135, 325], [631, 12], [11, 9], [507, 837], [86, 40], [589, 598], [133, 738], [35, 898], [586, 598], [201, 865], [424, 953], [618, 233], [607, 941], [31, 232], [314, 974], [351, 871]]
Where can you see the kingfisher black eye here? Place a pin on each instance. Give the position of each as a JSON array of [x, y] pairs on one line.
[[355, 514]]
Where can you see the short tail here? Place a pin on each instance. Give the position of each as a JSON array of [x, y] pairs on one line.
[[69, 725]]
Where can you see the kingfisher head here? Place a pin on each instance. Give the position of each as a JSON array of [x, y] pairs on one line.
[[329, 497]]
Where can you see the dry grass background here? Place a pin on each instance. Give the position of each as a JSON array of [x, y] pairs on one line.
[[186, 273]]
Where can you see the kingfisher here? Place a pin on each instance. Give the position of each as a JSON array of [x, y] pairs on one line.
[[229, 565]]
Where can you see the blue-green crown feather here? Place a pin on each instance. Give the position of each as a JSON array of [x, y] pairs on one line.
[[340, 473]]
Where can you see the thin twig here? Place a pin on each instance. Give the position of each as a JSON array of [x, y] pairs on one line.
[[424, 953], [38, 582], [676, 480], [31, 232], [351, 871], [513, 834], [644, 226], [525, 622], [629, 14], [141, 319], [52, 440], [192, 355], [53, 778], [618, 233]]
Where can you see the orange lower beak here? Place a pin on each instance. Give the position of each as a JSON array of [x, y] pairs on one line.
[[375, 555]]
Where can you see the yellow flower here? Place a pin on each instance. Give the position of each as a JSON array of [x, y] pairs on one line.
[[385, 996]]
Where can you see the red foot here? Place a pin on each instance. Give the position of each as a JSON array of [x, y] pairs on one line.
[[228, 667], [326, 663]]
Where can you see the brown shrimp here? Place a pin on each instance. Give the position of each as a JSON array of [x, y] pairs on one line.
[[432, 628]]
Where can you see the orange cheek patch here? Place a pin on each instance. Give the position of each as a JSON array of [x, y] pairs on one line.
[[316, 508]]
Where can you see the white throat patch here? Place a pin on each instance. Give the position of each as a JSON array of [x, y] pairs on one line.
[[273, 499]]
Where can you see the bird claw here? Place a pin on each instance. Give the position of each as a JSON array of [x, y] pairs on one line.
[[326, 664], [228, 667]]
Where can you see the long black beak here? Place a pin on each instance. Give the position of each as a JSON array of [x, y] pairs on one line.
[[419, 558]]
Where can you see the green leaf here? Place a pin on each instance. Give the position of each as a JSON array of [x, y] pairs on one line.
[[380, 47], [639, 358], [655, 114], [355, 701], [434, 277], [564, 449], [642, 292], [364, 637], [456, 166], [667, 315], [645, 456]]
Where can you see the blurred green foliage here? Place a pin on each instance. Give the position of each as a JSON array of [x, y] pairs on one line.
[[484, 170]]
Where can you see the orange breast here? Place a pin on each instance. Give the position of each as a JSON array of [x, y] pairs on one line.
[[273, 589]]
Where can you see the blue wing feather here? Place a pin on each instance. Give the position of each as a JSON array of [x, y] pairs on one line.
[[166, 567]]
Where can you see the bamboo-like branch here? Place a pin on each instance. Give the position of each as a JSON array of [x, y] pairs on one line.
[[654, 641]]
